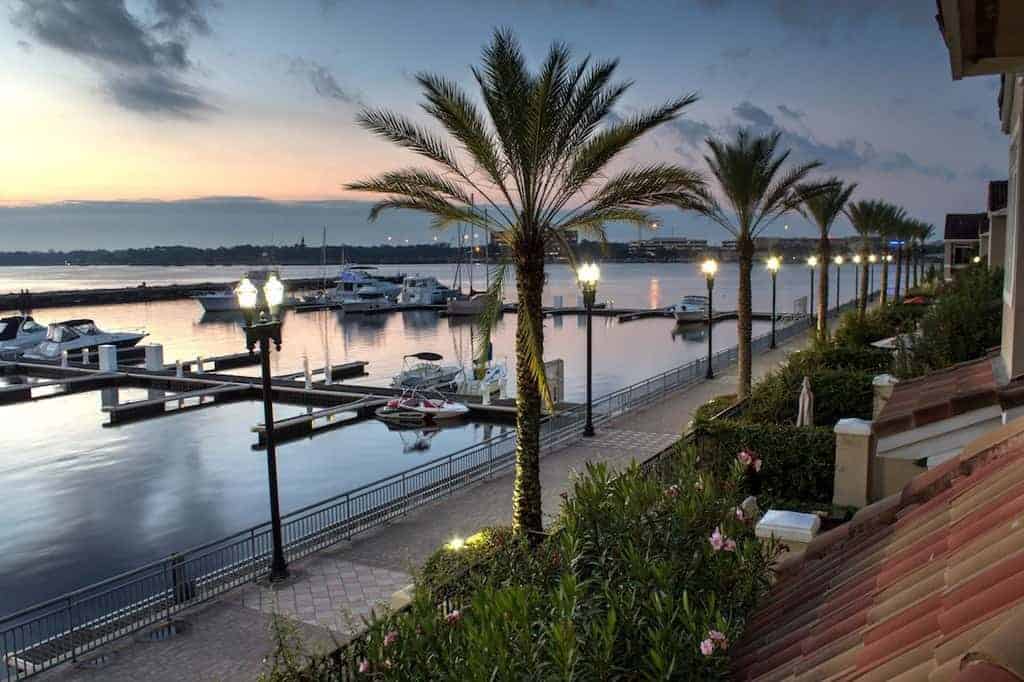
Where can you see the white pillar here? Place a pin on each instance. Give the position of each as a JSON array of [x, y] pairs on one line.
[[1012, 347], [485, 393], [854, 454], [882, 387], [306, 373], [108, 358], [63, 358], [179, 371], [198, 369], [154, 357]]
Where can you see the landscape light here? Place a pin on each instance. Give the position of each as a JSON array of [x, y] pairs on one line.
[[456, 544], [976, 259], [838, 260]]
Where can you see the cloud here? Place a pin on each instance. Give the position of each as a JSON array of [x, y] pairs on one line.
[[25, 45], [988, 172], [794, 114], [323, 81], [141, 66], [847, 154]]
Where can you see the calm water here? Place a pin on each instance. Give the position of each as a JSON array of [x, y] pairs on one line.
[[84, 501]]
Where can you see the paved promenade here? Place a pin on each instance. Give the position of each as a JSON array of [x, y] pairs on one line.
[[332, 591]]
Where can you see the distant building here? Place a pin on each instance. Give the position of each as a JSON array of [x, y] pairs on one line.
[[667, 248], [800, 247], [993, 241], [962, 237]]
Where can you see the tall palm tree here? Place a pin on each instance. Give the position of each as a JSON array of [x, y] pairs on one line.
[[892, 219], [748, 174], [537, 156], [822, 209], [868, 218], [903, 231], [924, 233]]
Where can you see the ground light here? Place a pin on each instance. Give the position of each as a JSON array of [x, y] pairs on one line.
[[709, 267], [588, 276], [263, 326]]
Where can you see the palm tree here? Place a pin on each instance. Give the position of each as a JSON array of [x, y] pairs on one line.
[[822, 209], [903, 231], [924, 233], [868, 218], [747, 171], [537, 156], [892, 218]]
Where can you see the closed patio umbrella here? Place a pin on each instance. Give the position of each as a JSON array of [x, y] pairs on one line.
[[805, 414]]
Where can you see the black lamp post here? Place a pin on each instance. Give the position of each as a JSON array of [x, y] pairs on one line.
[[709, 268], [588, 276], [773, 264], [812, 262], [263, 326], [871, 275], [839, 263], [856, 278]]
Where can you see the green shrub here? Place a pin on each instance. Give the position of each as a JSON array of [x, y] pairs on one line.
[[640, 586], [714, 406], [838, 394], [798, 463], [878, 323], [963, 323]]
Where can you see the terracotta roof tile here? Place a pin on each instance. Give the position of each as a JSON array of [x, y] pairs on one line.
[[924, 585], [940, 395]]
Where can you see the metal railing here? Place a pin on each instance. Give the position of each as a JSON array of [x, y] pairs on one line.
[[67, 627]]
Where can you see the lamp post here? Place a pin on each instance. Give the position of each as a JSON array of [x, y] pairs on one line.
[[856, 280], [773, 264], [838, 260], [262, 325], [588, 275], [709, 268], [812, 262], [871, 275]]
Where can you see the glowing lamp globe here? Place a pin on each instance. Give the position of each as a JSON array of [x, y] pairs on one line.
[[274, 291], [838, 260], [709, 267], [773, 264], [247, 294], [812, 261]]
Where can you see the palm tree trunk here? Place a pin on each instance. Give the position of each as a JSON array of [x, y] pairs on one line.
[[906, 274], [885, 276], [526, 493], [899, 272], [824, 258], [745, 246], [862, 299], [917, 267]]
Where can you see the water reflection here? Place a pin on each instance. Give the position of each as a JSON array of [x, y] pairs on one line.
[[689, 331]]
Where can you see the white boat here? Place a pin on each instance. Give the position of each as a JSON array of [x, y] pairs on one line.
[[358, 292], [419, 290], [494, 380], [424, 370], [225, 300], [18, 334], [78, 335], [690, 309], [474, 305], [415, 407]]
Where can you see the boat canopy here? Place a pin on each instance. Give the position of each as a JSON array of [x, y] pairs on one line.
[[9, 327], [83, 322], [431, 357]]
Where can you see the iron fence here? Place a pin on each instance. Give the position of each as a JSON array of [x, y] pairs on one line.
[[70, 626]]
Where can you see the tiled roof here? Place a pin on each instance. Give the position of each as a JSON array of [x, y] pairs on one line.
[[925, 585], [997, 191], [964, 226], [936, 396]]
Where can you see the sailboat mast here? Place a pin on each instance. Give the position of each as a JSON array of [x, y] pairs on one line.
[[472, 248]]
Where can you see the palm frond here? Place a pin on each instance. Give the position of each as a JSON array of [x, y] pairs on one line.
[[492, 310]]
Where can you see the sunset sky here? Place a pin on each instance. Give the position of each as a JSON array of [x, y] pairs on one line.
[[139, 112]]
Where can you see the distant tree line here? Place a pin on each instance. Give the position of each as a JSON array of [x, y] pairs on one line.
[[252, 254]]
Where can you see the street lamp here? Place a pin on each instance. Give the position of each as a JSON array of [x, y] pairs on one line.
[[773, 264], [976, 260], [709, 268], [871, 275], [262, 325], [856, 275], [838, 260], [812, 262], [588, 275]]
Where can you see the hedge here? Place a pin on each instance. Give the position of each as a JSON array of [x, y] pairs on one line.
[[798, 463]]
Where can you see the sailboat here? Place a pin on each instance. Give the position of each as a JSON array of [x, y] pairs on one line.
[[476, 302]]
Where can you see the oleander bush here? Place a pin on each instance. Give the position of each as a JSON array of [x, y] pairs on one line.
[[963, 323], [645, 578]]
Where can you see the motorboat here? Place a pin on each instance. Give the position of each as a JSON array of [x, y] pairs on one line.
[[415, 407], [424, 370], [462, 307], [690, 309], [19, 333], [419, 290], [225, 300], [80, 335], [494, 380], [357, 292]]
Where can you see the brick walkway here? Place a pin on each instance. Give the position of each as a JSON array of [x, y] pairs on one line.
[[334, 590]]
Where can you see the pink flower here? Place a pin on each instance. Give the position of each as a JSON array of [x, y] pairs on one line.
[[391, 638], [453, 617], [707, 647], [364, 666], [717, 540], [757, 464], [745, 458], [716, 636], [730, 545], [672, 491], [740, 516]]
